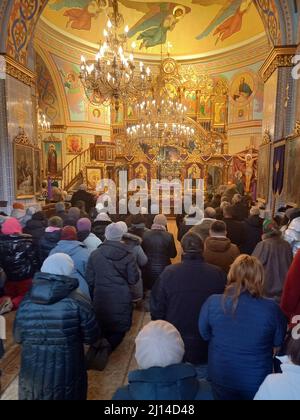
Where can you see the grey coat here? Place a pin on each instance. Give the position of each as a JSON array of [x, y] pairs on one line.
[[276, 256]]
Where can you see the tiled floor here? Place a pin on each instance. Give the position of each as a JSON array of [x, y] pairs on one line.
[[102, 385]]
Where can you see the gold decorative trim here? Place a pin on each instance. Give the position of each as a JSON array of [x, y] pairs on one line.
[[22, 138], [267, 139], [279, 57], [297, 128], [58, 128], [19, 72]]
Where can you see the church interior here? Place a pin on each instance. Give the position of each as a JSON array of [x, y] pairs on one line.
[[185, 90]]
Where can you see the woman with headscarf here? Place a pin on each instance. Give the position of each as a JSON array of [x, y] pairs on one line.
[[52, 325], [18, 259], [162, 375]]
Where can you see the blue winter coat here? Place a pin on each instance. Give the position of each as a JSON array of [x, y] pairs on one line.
[[175, 382], [80, 256], [52, 324], [241, 343]]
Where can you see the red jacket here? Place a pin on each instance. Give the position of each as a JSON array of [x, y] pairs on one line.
[[290, 302]]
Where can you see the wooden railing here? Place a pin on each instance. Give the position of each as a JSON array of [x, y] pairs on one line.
[[73, 170]]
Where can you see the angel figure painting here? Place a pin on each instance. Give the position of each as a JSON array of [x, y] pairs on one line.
[[159, 18], [228, 21], [198, 25]]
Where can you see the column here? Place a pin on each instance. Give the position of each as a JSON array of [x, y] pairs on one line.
[[17, 110], [280, 98]]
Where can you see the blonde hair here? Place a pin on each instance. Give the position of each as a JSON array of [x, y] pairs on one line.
[[246, 275]]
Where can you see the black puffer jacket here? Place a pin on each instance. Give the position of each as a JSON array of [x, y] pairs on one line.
[[52, 325], [254, 230], [111, 269], [99, 228], [47, 243], [18, 257], [159, 246], [36, 227]]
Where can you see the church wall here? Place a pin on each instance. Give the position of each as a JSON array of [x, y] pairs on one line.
[[245, 112], [21, 105]]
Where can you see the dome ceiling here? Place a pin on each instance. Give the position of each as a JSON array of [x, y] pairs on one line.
[[193, 28]]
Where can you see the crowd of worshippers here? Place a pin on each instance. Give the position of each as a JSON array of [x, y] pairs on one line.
[[222, 318]]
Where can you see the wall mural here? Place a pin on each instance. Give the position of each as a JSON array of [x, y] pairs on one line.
[[23, 18], [79, 107], [154, 23], [48, 101]]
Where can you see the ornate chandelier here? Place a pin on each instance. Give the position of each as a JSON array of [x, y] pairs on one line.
[[161, 117], [114, 76]]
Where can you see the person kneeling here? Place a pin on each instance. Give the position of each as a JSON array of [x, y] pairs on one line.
[[53, 323], [162, 375]]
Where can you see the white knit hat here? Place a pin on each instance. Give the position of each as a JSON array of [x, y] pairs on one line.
[[123, 226], [159, 344], [114, 232], [58, 264]]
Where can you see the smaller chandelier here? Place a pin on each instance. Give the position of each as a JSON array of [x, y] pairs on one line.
[[43, 124], [113, 75]]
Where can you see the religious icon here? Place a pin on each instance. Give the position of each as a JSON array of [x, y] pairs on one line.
[[24, 171], [249, 160], [243, 87], [74, 144], [141, 172], [93, 178], [194, 172], [52, 160], [53, 157]]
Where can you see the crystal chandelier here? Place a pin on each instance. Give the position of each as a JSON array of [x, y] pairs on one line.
[[43, 124], [113, 75], [161, 117]]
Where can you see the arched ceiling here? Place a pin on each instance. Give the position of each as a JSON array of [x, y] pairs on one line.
[[193, 27]]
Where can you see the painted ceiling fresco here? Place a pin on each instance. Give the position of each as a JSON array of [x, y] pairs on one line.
[[192, 27]]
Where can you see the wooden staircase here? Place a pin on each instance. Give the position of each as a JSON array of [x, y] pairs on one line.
[[73, 172]]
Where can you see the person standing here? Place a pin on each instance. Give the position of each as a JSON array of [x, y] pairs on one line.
[[276, 257], [254, 231], [235, 229], [218, 249], [243, 329], [53, 323], [83, 195]]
